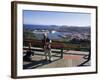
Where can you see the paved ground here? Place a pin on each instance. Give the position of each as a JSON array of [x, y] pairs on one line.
[[70, 59]]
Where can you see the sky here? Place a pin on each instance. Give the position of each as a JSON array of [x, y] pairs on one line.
[[56, 18]]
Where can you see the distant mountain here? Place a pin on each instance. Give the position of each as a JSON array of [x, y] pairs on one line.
[[74, 29], [68, 29], [39, 27]]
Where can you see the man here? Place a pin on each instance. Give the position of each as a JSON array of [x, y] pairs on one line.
[[47, 47]]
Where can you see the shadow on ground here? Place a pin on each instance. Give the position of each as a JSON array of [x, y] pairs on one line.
[[34, 64]]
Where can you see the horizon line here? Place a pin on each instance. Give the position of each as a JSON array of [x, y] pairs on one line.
[[61, 25]]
